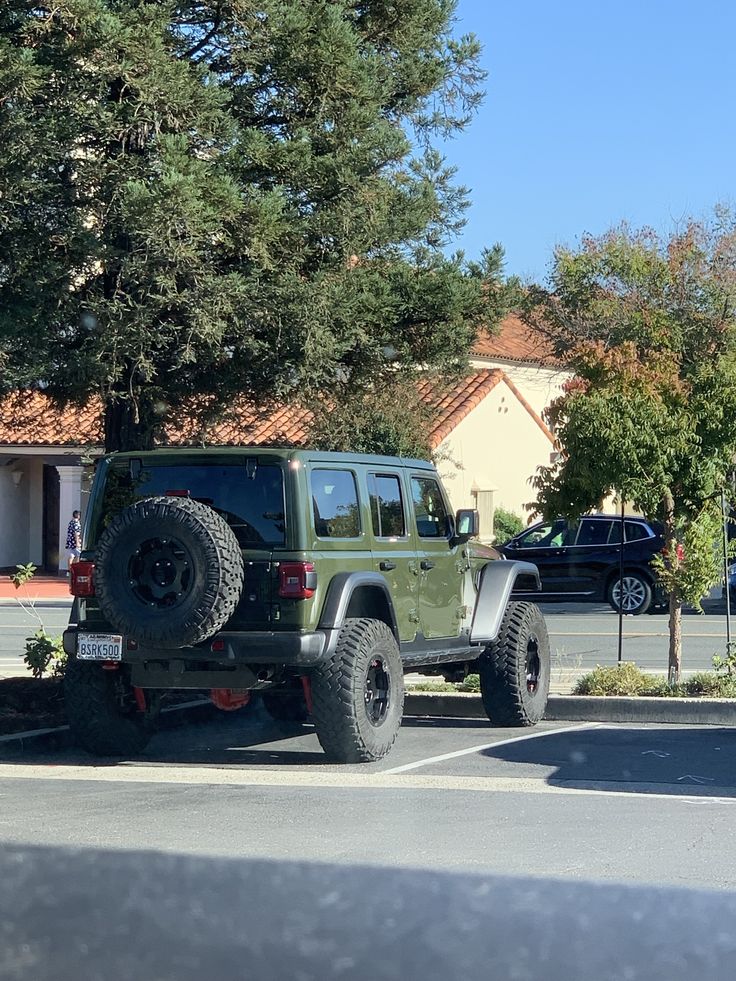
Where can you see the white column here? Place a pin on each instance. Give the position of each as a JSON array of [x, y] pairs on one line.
[[486, 511], [70, 500]]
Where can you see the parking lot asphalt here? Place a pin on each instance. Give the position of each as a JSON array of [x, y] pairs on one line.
[[652, 804]]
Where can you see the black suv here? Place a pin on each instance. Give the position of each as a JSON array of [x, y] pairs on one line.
[[578, 561]]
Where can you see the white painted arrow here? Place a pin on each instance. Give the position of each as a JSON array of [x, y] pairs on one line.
[[654, 752], [691, 776]]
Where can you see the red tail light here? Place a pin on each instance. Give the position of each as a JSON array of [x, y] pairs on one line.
[[82, 578], [297, 580]]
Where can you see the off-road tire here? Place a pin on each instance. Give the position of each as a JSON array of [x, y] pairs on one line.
[[633, 581], [340, 693], [208, 564], [102, 712], [286, 708], [509, 699]]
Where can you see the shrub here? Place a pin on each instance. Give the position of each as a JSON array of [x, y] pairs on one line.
[[506, 524], [470, 683], [708, 684], [621, 679], [45, 655]]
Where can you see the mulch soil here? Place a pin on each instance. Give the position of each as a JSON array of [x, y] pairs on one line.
[[38, 703]]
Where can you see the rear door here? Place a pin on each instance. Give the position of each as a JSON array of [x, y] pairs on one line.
[[594, 554], [394, 547], [247, 492]]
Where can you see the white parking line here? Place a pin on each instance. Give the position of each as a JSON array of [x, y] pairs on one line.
[[480, 748]]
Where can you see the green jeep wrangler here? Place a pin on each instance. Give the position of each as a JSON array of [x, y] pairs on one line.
[[317, 579]]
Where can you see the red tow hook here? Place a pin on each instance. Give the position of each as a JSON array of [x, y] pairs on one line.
[[140, 698], [307, 689]]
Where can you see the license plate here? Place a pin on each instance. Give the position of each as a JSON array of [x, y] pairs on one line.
[[99, 647]]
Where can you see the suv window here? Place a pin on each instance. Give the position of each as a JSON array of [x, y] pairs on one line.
[[552, 534], [432, 518], [635, 531], [335, 504], [594, 532], [250, 498], [387, 508]]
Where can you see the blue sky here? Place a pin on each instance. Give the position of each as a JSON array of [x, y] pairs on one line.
[[595, 113]]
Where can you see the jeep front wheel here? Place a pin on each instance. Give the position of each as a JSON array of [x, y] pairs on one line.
[[358, 694], [515, 668], [103, 711]]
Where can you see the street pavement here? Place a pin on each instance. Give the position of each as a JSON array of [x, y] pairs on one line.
[[646, 804], [581, 636]]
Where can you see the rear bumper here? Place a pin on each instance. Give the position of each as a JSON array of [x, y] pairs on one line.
[[267, 647]]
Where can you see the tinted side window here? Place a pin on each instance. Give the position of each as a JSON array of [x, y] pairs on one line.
[[549, 535], [387, 509], [635, 531], [335, 504], [594, 532], [432, 518]]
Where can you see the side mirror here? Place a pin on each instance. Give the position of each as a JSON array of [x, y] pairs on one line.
[[467, 524]]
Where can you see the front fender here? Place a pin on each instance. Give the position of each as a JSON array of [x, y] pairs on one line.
[[497, 582]]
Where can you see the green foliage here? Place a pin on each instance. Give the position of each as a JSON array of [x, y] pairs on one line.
[[649, 328], [470, 683], [45, 655], [202, 200], [24, 574], [506, 525], [624, 679], [628, 679]]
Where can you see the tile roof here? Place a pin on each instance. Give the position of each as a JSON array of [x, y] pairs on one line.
[[31, 419], [515, 341]]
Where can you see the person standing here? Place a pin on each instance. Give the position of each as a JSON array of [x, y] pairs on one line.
[[74, 540]]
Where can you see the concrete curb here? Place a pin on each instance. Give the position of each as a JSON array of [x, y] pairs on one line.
[[582, 708]]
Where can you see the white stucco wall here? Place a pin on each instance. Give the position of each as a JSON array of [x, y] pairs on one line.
[[499, 447], [537, 384], [14, 515]]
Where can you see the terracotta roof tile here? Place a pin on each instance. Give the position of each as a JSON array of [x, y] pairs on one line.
[[515, 341], [31, 419]]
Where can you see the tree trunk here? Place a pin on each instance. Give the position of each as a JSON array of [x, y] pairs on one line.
[[129, 426], [672, 559], [675, 659]]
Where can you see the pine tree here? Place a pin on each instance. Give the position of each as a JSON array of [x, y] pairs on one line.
[[201, 200]]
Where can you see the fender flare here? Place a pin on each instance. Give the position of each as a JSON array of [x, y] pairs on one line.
[[339, 593], [497, 582]]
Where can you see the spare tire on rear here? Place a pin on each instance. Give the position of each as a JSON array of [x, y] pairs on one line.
[[168, 572]]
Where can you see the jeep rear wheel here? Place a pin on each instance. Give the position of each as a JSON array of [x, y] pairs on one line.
[[515, 668], [168, 572], [103, 712], [358, 694]]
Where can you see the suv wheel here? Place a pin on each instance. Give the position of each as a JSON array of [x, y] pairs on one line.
[[358, 694], [515, 668], [103, 714], [637, 594], [289, 707]]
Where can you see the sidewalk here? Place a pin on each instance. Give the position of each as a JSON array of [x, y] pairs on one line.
[[39, 588]]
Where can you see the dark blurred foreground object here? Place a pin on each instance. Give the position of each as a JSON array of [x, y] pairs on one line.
[[73, 915]]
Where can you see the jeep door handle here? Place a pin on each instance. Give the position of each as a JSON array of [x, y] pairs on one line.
[[426, 564], [385, 566]]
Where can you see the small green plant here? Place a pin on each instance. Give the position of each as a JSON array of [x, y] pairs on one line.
[[45, 655], [506, 525], [471, 682], [620, 679]]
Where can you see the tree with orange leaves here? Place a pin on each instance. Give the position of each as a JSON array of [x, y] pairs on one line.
[[648, 325]]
